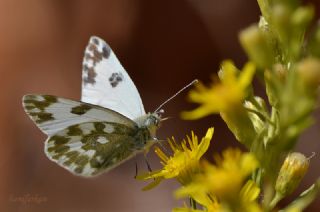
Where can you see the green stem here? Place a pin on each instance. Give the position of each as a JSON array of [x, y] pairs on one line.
[[264, 8], [267, 197], [275, 200]]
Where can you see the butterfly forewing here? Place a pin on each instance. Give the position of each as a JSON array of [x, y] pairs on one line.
[[90, 148], [52, 114], [106, 83]]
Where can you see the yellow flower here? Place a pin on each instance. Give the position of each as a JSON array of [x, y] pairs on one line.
[[210, 203], [224, 96], [248, 196], [247, 201], [186, 210], [184, 162], [225, 182]]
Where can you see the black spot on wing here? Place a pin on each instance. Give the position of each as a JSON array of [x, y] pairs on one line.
[[106, 52], [95, 41], [59, 140], [41, 117], [32, 101], [58, 146], [115, 79], [35, 106], [74, 130], [81, 109], [99, 126], [93, 55], [90, 75]]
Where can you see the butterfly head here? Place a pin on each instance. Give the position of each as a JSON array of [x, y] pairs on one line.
[[150, 121]]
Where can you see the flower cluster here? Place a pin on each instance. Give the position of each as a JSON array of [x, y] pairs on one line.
[[226, 96], [184, 163], [288, 64], [225, 185], [213, 186]]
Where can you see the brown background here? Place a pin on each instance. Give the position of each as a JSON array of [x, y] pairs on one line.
[[162, 44]]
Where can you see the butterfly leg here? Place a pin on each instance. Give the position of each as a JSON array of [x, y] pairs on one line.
[[136, 174], [148, 164], [163, 146]]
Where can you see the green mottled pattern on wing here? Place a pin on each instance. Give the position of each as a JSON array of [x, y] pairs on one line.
[[53, 114], [88, 149]]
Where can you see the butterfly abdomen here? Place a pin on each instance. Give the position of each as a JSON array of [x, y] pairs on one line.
[[141, 138]]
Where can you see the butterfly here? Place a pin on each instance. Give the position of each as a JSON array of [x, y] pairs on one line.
[[107, 127]]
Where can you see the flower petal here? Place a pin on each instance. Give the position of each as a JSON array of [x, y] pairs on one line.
[[205, 142], [246, 75], [153, 184], [200, 112]]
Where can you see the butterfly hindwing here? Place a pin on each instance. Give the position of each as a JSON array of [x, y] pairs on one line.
[[90, 148], [53, 114], [106, 83]]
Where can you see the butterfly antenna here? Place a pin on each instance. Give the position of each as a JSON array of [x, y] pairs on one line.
[[312, 155], [165, 119], [176, 94]]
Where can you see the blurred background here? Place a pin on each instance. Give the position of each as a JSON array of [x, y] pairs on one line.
[[162, 44]]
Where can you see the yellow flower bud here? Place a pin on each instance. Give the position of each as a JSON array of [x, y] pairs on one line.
[[281, 14], [292, 171], [256, 45], [309, 70], [302, 16], [280, 71]]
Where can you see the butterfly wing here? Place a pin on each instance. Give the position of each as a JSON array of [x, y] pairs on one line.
[[88, 149], [98, 133], [53, 114], [106, 83]]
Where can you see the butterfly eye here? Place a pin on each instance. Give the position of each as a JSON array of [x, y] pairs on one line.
[[152, 120], [158, 114]]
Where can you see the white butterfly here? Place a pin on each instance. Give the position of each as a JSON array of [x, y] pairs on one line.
[[106, 128]]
